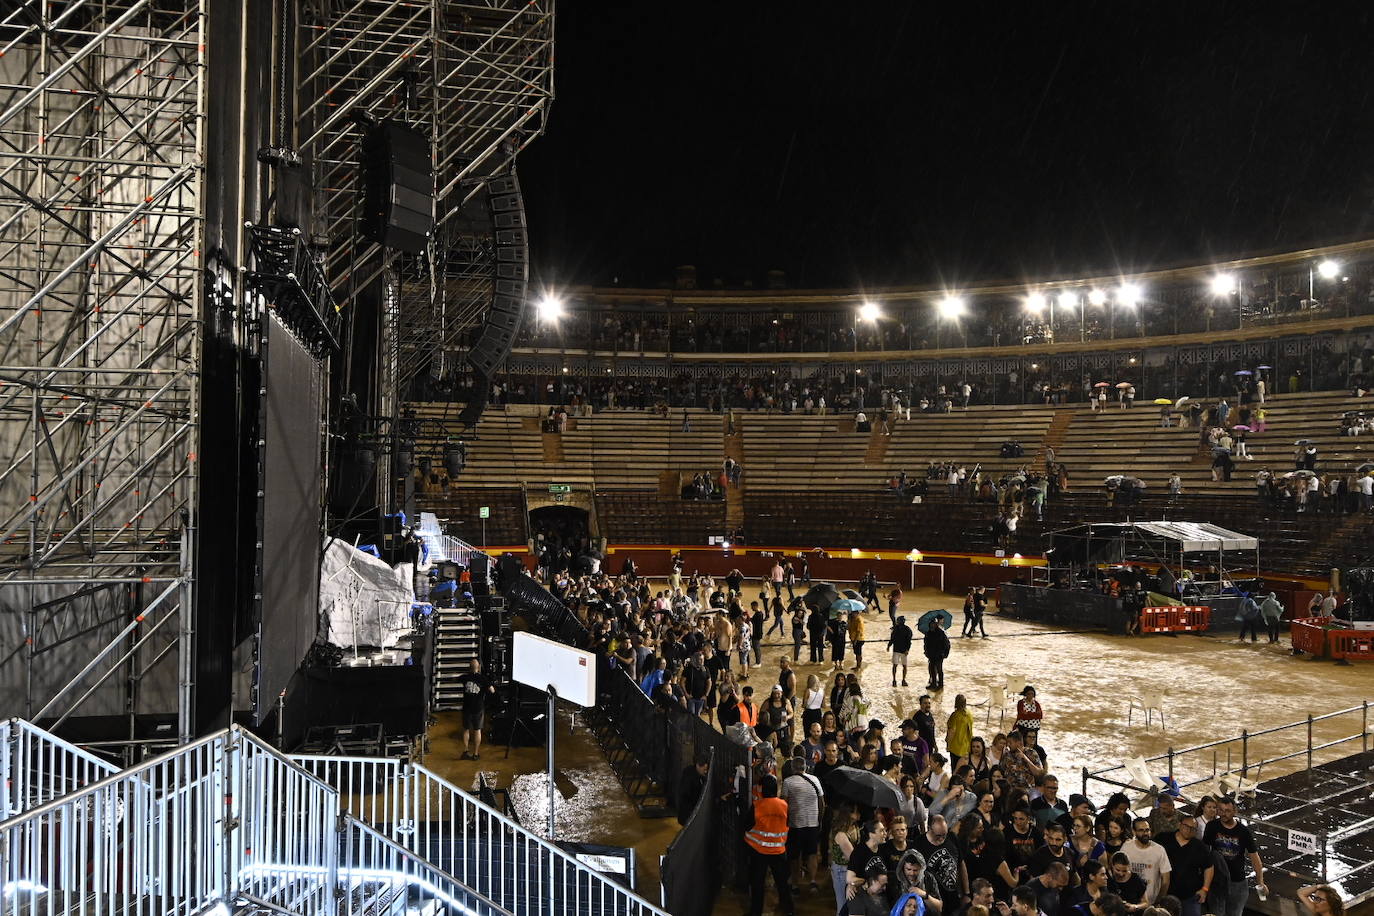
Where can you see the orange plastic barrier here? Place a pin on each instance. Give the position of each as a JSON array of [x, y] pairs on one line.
[[1156, 620], [1175, 619], [1309, 635], [1192, 619], [1352, 645]]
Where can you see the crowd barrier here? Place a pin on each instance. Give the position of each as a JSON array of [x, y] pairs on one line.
[[1316, 637], [1175, 619]]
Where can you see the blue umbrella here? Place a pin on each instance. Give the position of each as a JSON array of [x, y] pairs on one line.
[[930, 617], [847, 605]]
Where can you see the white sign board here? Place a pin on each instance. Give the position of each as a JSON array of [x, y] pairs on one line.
[[539, 663], [1302, 842]]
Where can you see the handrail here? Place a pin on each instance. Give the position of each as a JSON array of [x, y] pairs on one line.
[[35, 760]]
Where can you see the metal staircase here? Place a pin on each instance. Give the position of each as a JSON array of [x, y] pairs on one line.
[[457, 640], [226, 824]]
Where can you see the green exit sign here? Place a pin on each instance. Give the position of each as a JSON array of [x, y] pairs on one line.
[[484, 512], [560, 488]]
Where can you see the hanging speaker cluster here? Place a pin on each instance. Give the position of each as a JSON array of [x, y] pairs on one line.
[[506, 207], [398, 187]]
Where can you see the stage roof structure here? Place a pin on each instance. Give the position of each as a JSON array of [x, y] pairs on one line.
[[1191, 537]]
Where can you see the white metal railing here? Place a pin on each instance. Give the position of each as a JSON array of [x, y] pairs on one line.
[[36, 767], [480, 847]]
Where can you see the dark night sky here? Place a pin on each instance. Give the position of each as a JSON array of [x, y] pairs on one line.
[[915, 143]]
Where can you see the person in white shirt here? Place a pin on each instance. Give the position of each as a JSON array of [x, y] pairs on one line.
[[1148, 860]]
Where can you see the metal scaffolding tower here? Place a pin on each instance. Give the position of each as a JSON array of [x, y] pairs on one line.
[[478, 79], [102, 112]]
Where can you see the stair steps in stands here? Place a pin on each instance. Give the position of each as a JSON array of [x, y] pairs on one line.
[[1054, 436], [457, 640], [877, 447], [734, 494], [553, 448], [649, 798]]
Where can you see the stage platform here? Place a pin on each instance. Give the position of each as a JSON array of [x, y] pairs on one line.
[[1337, 798]]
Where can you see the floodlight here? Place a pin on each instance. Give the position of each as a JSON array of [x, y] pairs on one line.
[[1223, 285], [870, 311], [550, 308], [1127, 294], [1067, 299], [1035, 303], [1097, 297], [951, 307], [1328, 269]]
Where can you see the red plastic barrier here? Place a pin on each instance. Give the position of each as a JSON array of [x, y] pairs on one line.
[[1352, 645], [1175, 619], [1192, 619], [1156, 620], [1309, 635]]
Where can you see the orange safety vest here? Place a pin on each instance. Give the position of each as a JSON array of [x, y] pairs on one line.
[[769, 833], [749, 715]]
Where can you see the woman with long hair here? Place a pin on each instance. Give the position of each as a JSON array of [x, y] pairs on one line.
[[838, 689], [830, 725], [854, 711], [1116, 837], [844, 834], [1321, 900], [978, 758], [1084, 846]]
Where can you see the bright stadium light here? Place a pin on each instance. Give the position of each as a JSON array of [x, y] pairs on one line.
[[1097, 297], [550, 308], [1067, 299], [1328, 269], [1127, 294], [1036, 302], [951, 307], [870, 311], [1223, 285]]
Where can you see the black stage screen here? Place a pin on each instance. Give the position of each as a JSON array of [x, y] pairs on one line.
[[288, 513]]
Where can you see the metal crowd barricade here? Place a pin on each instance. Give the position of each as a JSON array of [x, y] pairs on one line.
[[474, 843], [37, 767]]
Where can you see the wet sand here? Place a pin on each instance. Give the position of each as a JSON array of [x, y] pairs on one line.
[[1212, 688]]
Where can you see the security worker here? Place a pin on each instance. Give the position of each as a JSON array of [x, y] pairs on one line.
[[767, 842]]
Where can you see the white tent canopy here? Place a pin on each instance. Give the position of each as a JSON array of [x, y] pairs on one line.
[[1193, 536]]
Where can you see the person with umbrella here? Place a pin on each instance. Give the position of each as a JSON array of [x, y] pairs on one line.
[[899, 641], [937, 650], [865, 856], [766, 841]]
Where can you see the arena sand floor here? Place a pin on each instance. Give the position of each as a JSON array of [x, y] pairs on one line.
[[1213, 687]]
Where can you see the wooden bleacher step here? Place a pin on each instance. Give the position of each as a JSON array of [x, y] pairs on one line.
[[1059, 428], [553, 448], [877, 447]]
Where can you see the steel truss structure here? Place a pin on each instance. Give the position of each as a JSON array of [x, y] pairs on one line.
[[477, 77], [102, 110]]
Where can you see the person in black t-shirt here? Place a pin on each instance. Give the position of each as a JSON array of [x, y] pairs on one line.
[[476, 687], [1126, 884], [1236, 845], [1190, 879], [1022, 840], [943, 861]]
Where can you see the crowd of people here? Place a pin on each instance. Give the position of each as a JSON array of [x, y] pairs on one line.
[[947, 821]]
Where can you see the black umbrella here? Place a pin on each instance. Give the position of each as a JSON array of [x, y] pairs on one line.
[[864, 787]]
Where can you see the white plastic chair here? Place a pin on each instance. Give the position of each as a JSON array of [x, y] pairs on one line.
[[1147, 703], [997, 700], [1015, 685]]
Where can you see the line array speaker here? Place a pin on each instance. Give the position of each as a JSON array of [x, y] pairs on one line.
[[506, 205], [398, 187]]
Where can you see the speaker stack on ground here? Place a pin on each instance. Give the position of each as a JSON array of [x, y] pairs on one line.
[[506, 207], [398, 186]]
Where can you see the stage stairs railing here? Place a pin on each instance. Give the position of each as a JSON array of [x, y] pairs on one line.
[[227, 824]]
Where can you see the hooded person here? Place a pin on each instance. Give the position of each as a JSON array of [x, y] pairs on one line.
[[909, 905], [911, 879]]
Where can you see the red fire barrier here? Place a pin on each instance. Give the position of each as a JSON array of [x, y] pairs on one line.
[[1156, 620]]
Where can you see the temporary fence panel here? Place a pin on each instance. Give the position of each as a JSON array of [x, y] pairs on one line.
[[37, 767], [1309, 635], [474, 843], [692, 864]]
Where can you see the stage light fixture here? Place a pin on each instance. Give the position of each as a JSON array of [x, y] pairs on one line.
[[1127, 294], [870, 311], [1328, 269], [1097, 297], [455, 458], [1068, 299], [1035, 303], [1223, 285], [951, 307]]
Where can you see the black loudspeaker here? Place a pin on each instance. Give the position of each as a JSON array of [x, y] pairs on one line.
[[481, 578], [398, 187], [506, 206], [355, 467]]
